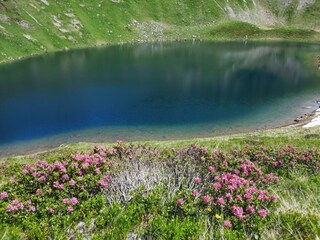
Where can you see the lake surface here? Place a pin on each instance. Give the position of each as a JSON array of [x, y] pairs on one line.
[[154, 91]]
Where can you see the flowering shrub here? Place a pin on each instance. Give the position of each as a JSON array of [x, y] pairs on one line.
[[284, 160], [232, 191], [45, 188], [145, 186], [233, 188]]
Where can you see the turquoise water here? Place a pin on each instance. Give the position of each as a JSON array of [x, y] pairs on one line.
[[154, 91]]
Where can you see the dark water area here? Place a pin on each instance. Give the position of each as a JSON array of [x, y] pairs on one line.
[[154, 91]]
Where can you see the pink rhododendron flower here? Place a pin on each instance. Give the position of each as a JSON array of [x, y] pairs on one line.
[[197, 180], [75, 164], [227, 224], [110, 150], [217, 186], [239, 198], [102, 183], [65, 200], [29, 202], [195, 193], [32, 208], [74, 201], [11, 208], [3, 195], [273, 197], [211, 169], [238, 211], [41, 179], [206, 199], [85, 166], [97, 170], [72, 182], [69, 209], [262, 213], [229, 196], [24, 172], [51, 210], [248, 197], [20, 206], [180, 201], [61, 186], [65, 176], [204, 150], [250, 209], [220, 201]]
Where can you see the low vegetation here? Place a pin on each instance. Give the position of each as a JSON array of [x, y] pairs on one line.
[[140, 191], [36, 27]]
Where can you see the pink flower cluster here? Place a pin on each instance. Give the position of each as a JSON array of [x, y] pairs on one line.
[[16, 205], [72, 201], [231, 185], [45, 183]]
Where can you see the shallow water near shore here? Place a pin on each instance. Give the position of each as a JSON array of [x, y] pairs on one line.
[[155, 91]]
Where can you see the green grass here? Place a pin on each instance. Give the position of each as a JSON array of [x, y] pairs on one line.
[[79, 24], [296, 216]]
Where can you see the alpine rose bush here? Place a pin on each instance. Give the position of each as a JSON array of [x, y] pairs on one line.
[[230, 190], [236, 185], [58, 187]]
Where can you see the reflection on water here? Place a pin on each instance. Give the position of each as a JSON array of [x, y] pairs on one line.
[[171, 89]]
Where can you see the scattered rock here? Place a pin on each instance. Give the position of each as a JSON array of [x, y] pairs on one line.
[[27, 36], [303, 4], [70, 14], [133, 236], [57, 22], [32, 5], [4, 18], [308, 136], [147, 30], [45, 2], [72, 39], [24, 24], [76, 24]]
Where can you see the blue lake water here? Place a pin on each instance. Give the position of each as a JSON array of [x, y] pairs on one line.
[[154, 91]]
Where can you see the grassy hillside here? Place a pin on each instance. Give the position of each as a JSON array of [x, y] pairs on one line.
[[158, 190], [40, 26]]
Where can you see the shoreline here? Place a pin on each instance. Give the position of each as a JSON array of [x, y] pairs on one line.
[[160, 40], [309, 122]]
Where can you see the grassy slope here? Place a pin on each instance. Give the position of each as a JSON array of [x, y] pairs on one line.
[[34, 27], [298, 211]]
